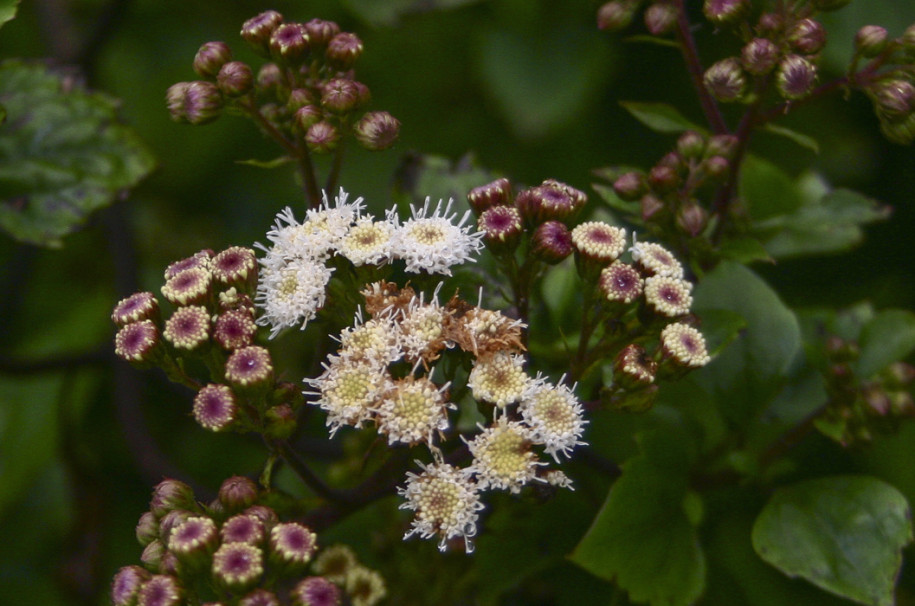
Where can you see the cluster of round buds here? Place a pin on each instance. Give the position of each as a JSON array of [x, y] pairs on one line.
[[236, 551], [307, 90], [302, 255]]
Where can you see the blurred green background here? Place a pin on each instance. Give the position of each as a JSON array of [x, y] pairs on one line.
[[527, 89]]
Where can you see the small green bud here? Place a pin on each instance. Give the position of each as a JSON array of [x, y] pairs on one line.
[[147, 529], [343, 50], [795, 77], [211, 57], [280, 421], [257, 31], [322, 137], [320, 32], [691, 144], [650, 205], [725, 80], [663, 178], [235, 79], [871, 40], [759, 56], [270, 79], [807, 36], [306, 116], [171, 494], [289, 43], [630, 186], [152, 554], [721, 12], [616, 15], [202, 102], [660, 18], [497, 193], [716, 166], [721, 145], [237, 493], [692, 219], [339, 96], [377, 131], [894, 98]]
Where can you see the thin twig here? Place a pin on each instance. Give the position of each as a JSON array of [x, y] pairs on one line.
[[691, 56]]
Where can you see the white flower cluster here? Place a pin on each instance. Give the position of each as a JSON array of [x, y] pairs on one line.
[[294, 272]]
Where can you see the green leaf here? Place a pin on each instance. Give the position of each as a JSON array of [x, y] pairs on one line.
[[749, 373], [642, 537], [63, 154], [609, 196], [660, 117], [388, 13], [269, 164], [745, 251], [829, 224], [768, 190], [8, 10], [844, 534], [654, 40], [889, 337], [799, 138], [439, 178]]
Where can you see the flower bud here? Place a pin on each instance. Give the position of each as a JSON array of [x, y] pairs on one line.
[[174, 101], [663, 178], [257, 31], [289, 43], [343, 50], [280, 421], [725, 11], [270, 79], [211, 57], [616, 15], [691, 144], [291, 546], [170, 521], [339, 96], [137, 342], [683, 346], [501, 227], [237, 566], [725, 80], [716, 167], [193, 541], [551, 242], [620, 283], [320, 32], [171, 494], [235, 79], [214, 406], [152, 554], [125, 587], [660, 18], [316, 591], [795, 77], [633, 368], [894, 98], [650, 206], [907, 40], [597, 243], [807, 36], [871, 40], [322, 137], [161, 590], [692, 219], [630, 186], [147, 529], [364, 94], [377, 131], [901, 132], [202, 102], [829, 5], [721, 145], [759, 56], [497, 193], [237, 493], [307, 116], [299, 98], [770, 24]]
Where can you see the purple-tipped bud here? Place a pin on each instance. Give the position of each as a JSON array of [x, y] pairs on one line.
[[171, 494], [660, 18], [650, 206], [214, 407], [307, 116], [188, 287], [795, 77], [234, 329], [316, 591], [630, 186], [620, 283], [672, 160], [322, 137], [365, 95], [174, 101], [161, 590], [292, 545], [257, 31], [260, 597], [501, 227], [807, 36], [289, 43], [683, 346], [829, 5], [211, 57], [237, 493], [894, 98], [551, 242], [194, 540], [907, 40], [692, 219], [320, 32], [598, 242], [237, 566], [901, 131], [243, 528], [299, 98], [200, 259], [716, 167], [343, 50], [557, 207], [269, 79], [265, 514], [722, 145], [616, 15], [125, 587], [497, 193], [726, 80], [770, 24], [691, 144], [725, 11], [663, 179], [280, 421], [152, 554], [234, 266], [147, 529], [172, 520], [339, 96], [377, 131], [188, 328], [137, 341], [633, 368], [871, 40], [235, 79], [759, 56], [202, 102]]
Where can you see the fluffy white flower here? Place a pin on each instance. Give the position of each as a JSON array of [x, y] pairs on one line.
[[290, 293], [368, 242], [554, 415], [433, 242]]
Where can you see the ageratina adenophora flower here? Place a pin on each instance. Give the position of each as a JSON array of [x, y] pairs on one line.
[[237, 566], [188, 328], [368, 242], [684, 345], [348, 390], [214, 407], [316, 591], [445, 501], [189, 286], [668, 296], [136, 307], [413, 410], [498, 378], [243, 528], [431, 242], [292, 544], [654, 259], [364, 587], [502, 456], [291, 293], [598, 241], [160, 590], [620, 282], [249, 366], [136, 341], [234, 329], [554, 415]]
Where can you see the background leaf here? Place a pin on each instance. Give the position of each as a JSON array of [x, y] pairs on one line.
[[8, 10], [845, 534], [889, 337], [660, 117]]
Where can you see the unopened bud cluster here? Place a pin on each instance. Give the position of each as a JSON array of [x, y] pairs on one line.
[[307, 91], [236, 550], [207, 322], [862, 408], [892, 89]]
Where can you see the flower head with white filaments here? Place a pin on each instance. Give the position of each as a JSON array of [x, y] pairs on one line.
[[319, 234], [446, 501], [291, 293], [431, 241], [554, 415]]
